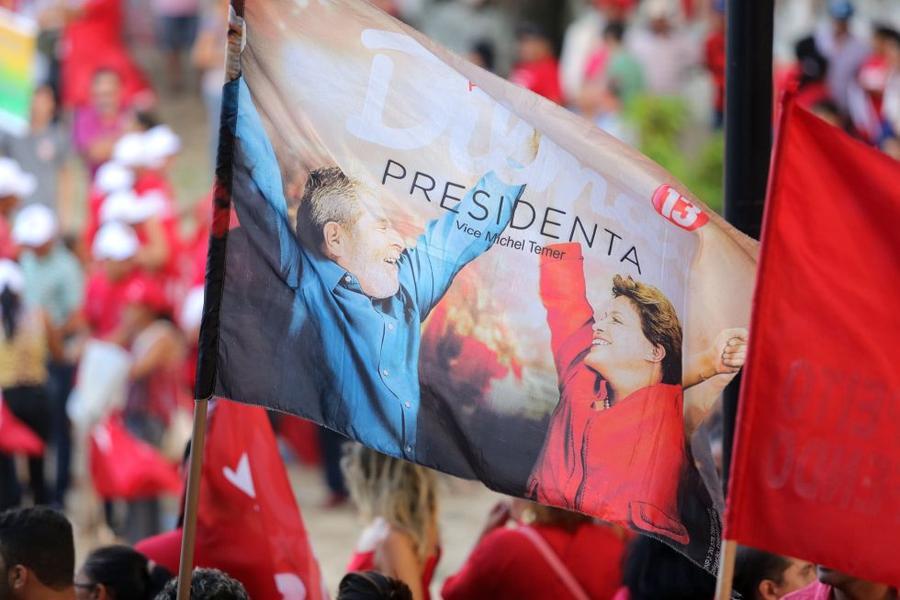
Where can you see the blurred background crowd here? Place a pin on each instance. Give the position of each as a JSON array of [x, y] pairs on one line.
[[105, 210]]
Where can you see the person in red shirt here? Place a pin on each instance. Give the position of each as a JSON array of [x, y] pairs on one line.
[[509, 562], [615, 447], [834, 585], [107, 290], [537, 69]]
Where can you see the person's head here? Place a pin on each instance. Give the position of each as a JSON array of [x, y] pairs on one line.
[[840, 11], [654, 570], [106, 91], [759, 575], [483, 54], [43, 107], [115, 247], [371, 585], [339, 218], [207, 584], [533, 42], [400, 492], [661, 15], [812, 64], [882, 37], [37, 554], [36, 229], [119, 573], [15, 185], [614, 34], [637, 332]]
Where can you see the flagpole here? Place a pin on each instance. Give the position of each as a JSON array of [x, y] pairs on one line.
[[748, 143], [209, 328]]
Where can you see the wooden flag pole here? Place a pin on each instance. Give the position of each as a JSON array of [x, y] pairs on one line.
[[748, 143], [192, 500]]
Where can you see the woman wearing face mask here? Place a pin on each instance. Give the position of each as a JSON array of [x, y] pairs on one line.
[[616, 444]]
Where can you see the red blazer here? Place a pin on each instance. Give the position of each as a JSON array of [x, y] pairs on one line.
[[622, 464]]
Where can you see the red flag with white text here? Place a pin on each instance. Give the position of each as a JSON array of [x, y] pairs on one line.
[[816, 469], [248, 522]]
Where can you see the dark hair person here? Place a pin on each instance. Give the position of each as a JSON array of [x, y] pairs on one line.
[[655, 571], [37, 554], [760, 575], [371, 585], [208, 584], [119, 573]]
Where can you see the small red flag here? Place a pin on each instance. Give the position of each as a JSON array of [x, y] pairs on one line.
[[248, 522], [15, 436], [816, 469], [123, 466]]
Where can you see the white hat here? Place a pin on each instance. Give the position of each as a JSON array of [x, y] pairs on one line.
[[113, 177], [160, 144], [660, 9], [11, 276], [35, 226], [115, 241], [131, 150], [128, 207], [14, 181], [192, 310]]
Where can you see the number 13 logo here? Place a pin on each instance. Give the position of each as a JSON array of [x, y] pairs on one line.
[[678, 209]]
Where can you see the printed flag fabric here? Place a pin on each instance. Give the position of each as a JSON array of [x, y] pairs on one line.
[[817, 456], [15, 436], [455, 271], [122, 466], [248, 522]]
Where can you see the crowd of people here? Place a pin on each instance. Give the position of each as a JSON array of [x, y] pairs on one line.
[[119, 272]]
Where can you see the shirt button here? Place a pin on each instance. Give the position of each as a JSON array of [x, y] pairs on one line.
[[407, 404], [385, 372], [348, 279], [390, 326], [409, 449]]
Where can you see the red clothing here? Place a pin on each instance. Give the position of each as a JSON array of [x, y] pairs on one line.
[[365, 561], [106, 299], [622, 464], [505, 564], [541, 77], [164, 549], [715, 64], [8, 247], [94, 41]]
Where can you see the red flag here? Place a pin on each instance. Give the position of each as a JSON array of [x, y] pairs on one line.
[[123, 466], [15, 436], [817, 456], [248, 522]]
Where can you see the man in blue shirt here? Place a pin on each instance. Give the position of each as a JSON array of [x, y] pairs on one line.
[[359, 294]]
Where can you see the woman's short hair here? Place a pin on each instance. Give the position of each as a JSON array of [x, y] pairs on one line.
[[659, 322]]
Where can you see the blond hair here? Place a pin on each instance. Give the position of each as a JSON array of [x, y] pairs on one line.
[[402, 493]]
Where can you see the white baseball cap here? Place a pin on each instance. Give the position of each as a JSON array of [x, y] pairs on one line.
[[115, 241], [11, 276], [35, 225], [160, 143], [113, 177], [14, 181], [128, 207], [131, 150]]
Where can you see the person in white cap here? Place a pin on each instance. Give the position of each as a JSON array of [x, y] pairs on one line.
[[15, 186], [110, 177], [665, 51], [23, 379], [115, 248], [54, 282], [145, 214], [147, 154]]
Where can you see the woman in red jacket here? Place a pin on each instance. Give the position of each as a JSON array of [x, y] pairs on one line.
[[615, 447]]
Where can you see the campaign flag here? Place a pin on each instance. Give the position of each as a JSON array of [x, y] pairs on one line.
[[15, 436], [248, 522], [457, 272], [122, 466], [18, 38], [816, 468]]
